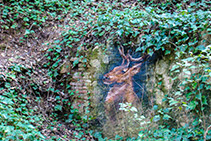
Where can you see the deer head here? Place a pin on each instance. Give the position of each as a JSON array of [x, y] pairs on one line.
[[124, 73]]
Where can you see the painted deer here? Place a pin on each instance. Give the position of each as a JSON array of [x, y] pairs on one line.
[[121, 79]]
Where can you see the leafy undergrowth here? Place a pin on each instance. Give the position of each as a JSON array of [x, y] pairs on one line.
[[17, 119], [36, 99]]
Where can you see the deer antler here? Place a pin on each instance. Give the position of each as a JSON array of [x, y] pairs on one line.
[[145, 56], [125, 57], [121, 51], [129, 58]]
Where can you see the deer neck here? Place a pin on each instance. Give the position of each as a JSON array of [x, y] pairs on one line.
[[129, 82]]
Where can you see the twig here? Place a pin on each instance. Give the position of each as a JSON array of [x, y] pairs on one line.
[[205, 134], [172, 43]]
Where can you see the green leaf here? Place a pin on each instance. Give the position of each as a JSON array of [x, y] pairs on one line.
[[117, 137], [27, 31], [155, 107], [102, 33], [166, 117], [186, 71], [120, 32], [194, 85], [192, 104], [178, 93], [156, 118], [75, 62], [204, 100], [13, 76], [201, 47], [7, 84], [174, 67], [14, 26], [167, 52], [173, 102], [58, 107], [98, 135], [26, 19]]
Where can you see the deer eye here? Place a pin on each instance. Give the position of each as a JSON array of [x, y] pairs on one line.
[[124, 70]]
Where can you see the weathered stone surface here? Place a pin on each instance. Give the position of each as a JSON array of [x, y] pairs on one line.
[[161, 67], [168, 82], [85, 80], [105, 59], [160, 82], [95, 63], [159, 95]]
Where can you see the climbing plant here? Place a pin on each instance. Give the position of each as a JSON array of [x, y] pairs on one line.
[[17, 119], [179, 28]]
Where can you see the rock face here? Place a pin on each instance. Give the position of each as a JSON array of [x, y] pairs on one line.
[[159, 82], [152, 80], [150, 84], [87, 81]]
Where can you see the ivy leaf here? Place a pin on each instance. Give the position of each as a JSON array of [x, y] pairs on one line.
[[174, 67], [102, 33], [194, 85], [192, 104], [204, 100], [155, 107], [120, 32], [166, 117], [167, 52], [201, 47], [27, 31], [156, 118], [187, 72]]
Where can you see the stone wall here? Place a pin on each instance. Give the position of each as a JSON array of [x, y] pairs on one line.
[[159, 81], [89, 92]]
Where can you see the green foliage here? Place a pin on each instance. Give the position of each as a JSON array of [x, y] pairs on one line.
[[127, 107], [172, 26], [17, 119], [146, 27], [162, 134], [153, 27], [194, 86], [31, 13]]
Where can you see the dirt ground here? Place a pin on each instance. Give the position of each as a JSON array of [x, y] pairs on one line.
[[30, 54]]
